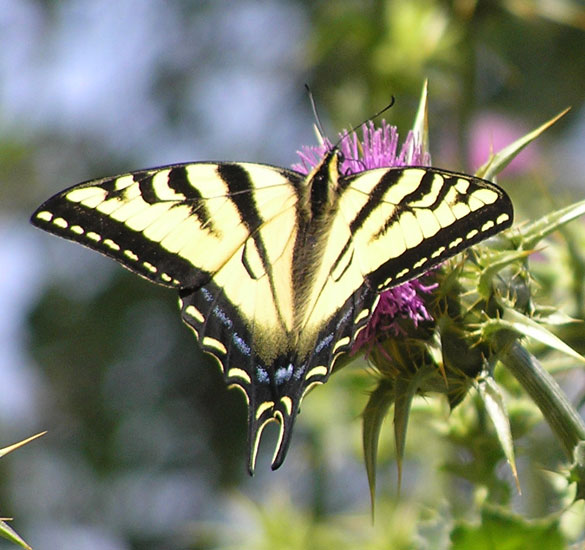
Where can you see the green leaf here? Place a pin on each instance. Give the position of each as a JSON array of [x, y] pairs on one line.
[[8, 533], [421, 120], [11, 448], [549, 315], [500, 160], [406, 389], [496, 409], [497, 262], [376, 410], [501, 530], [521, 324], [534, 232]]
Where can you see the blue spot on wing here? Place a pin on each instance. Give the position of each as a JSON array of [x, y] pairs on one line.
[[298, 373], [323, 343], [241, 344], [222, 316], [344, 318], [283, 375], [206, 294], [262, 375]]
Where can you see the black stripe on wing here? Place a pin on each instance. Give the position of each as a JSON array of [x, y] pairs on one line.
[[390, 178]]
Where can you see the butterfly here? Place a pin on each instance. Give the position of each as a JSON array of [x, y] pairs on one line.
[[277, 271]]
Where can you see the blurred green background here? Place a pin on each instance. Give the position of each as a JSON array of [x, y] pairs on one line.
[[146, 446]]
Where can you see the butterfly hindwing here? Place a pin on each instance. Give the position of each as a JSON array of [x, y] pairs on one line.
[[278, 272]]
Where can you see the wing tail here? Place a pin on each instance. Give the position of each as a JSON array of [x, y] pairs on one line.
[[273, 395], [258, 419], [286, 418]]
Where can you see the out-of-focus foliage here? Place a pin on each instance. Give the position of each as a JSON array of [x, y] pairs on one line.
[[145, 447], [477, 55], [499, 529]]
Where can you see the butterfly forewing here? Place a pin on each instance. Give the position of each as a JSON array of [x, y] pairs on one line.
[[405, 221], [174, 225]]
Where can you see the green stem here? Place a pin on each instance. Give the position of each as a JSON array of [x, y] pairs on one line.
[[561, 416]]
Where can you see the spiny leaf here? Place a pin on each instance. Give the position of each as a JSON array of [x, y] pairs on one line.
[[376, 410], [11, 448], [549, 315], [500, 160], [406, 389], [496, 409], [8, 533], [534, 232], [497, 262], [518, 322]]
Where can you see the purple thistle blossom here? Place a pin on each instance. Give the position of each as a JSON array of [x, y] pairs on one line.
[[379, 149], [400, 302]]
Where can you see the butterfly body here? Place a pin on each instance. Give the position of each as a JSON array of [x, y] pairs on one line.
[[277, 271]]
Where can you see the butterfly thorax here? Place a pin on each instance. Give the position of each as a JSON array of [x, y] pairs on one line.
[[322, 186], [318, 208]]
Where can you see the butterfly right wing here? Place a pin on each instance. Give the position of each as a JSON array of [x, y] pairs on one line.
[[391, 225], [405, 221]]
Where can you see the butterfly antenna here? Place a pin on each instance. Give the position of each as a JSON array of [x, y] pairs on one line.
[[379, 113], [384, 109], [357, 126], [318, 125]]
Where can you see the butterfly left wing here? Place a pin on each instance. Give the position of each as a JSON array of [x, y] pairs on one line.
[[220, 233]]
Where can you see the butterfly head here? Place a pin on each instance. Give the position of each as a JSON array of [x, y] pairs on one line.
[[323, 183]]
